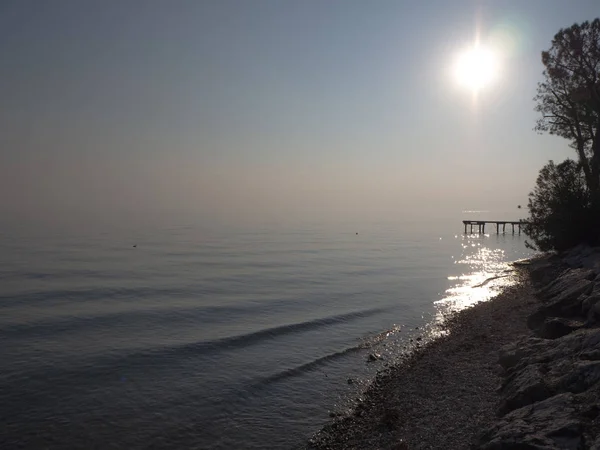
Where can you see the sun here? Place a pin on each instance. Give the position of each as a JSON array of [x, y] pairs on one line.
[[476, 68]]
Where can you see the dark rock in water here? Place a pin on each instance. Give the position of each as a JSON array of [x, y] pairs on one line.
[[419, 338], [550, 424], [374, 357], [555, 327], [350, 381]]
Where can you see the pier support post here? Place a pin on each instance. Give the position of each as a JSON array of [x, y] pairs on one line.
[[503, 228], [513, 228], [497, 228]]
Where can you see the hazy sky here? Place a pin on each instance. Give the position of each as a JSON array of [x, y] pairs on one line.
[[269, 109]]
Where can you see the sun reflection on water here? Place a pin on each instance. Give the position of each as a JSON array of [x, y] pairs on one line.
[[483, 273], [481, 269]]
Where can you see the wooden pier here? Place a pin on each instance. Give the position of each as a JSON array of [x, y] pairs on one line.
[[480, 224]]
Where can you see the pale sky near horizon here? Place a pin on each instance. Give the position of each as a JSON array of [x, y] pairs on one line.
[[269, 108]]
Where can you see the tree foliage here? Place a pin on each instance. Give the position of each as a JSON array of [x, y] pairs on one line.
[[560, 207], [564, 206], [569, 97]]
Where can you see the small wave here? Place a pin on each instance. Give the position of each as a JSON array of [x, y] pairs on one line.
[[316, 363], [244, 340], [135, 318], [139, 359], [304, 368]]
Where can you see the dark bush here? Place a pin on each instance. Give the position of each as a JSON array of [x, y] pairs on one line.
[[562, 213]]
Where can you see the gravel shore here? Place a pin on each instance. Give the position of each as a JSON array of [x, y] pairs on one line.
[[445, 394]]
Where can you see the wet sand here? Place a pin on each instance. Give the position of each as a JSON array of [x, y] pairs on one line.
[[445, 394]]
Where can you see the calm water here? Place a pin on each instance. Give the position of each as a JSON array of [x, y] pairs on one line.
[[217, 339]]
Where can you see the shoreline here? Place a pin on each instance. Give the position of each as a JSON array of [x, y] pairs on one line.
[[459, 391], [407, 402]]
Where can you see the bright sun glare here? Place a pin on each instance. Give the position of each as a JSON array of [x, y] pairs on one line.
[[476, 68]]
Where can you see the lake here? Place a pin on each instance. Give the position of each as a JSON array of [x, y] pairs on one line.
[[215, 337]]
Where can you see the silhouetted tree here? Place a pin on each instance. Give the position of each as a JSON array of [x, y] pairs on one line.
[[569, 96], [561, 214]]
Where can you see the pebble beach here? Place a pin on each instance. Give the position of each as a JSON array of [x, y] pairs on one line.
[[484, 384]]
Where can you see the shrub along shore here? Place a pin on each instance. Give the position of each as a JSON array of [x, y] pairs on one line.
[[519, 371]]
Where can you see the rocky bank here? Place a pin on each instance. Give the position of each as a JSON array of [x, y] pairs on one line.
[[519, 372], [550, 391]]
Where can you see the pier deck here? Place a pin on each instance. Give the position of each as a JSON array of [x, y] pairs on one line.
[[480, 224]]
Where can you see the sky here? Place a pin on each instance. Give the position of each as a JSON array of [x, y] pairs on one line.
[[269, 109]]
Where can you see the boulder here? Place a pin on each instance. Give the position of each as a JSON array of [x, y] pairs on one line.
[[591, 260], [582, 256], [564, 302], [596, 444], [594, 313], [523, 388], [513, 354], [590, 300], [565, 282], [572, 256], [550, 396], [553, 423], [555, 327], [590, 339], [540, 271], [374, 357], [590, 355], [567, 303], [582, 376], [531, 350]]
